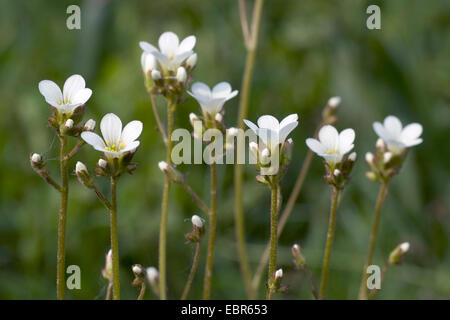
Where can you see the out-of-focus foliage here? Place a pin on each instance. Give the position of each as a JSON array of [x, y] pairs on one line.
[[308, 51]]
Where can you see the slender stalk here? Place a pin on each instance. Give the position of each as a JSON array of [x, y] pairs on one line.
[[61, 253], [380, 200], [158, 119], [383, 274], [165, 205], [212, 237], [74, 150], [251, 41], [44, 174], [102, 198], [187, 287], [313, 283], [329, 244], [114, 239], [196, 198], [142, 291], [273, 238], [108, 291]]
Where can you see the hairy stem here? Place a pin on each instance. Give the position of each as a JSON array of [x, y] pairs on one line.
[[158, 119], [165, 206], [313, 283], [74, 150], [196, 198], [114, 239], [61, 253], [373, 235], [329, 243], [187, 287], [212, 237], [383, 274], [142, 291], [108, 291], [273, 239]]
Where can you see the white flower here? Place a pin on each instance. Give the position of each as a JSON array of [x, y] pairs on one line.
[[89, 125], [152, 274], [36, 158], [395, 136], [279, 274], [74, 93], [80, 167], [148, 62], [102, 163], [181, 75], [197, 221], [332, 145], [213, 100], [171, 53], [272, 132], [115, 141]]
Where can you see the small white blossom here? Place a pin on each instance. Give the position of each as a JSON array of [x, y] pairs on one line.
[[102, 163], [163, 166], [74, 93], [115, 141], [152, 274], [395, 136], [89, 125], [332, 146], [334, 102], [148, 62], [404, 247], [197, 221], [279, 274], [36, 158], [272, 132], [69, 124], [212, 101], [181, 75], [352, 156], [171, 53], [80, 167]]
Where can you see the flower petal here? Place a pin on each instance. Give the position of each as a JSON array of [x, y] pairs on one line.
[[186, 45], [290, 118], [329, 137], [82, 96], [163, 59], [111, 128], [179, 58], [147, 47], [93, 139], [131, 147], [201, 90], [252, 126], [168, 43], [51, 92], [268, 122], [380, 131], [393, 126], [316, 146], [221, 90], [411, 132], [346, 138], [232, 94], [285, 130], [414, 142], [72, 85], [131, 132]]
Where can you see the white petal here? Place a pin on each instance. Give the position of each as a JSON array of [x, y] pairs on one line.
[[111, 128], [252, 126], [380, 131], [414, 142], [411, 132], [72, 85], [147, 47], [393, 126], [51, 92], [93, 139], [221, 90], [268, 122], [285, 130], [232, 94], [168, 43], [201, 90], [212, 106], [332, 158], [316, 146], [344, 149], [131, 147], [82, 96], [329, 137], [346, 138], [179, 58], [186, 45], [131, 132], [269, 137], [290, 118]]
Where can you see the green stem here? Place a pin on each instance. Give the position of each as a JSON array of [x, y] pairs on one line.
[[380, 200], [165, 205], [329, 244], [61, 253], [114, 239], [212, 237], [273, 239], [142, 291], [192, 272]]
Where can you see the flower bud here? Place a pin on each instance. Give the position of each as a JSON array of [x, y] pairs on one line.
[[299, 258], [148, 62], [334, 102], [398, 253], [218, 117], [352, 157], [173, 174], [197, 221], [279, 274], [265, 156], [199, 229], [156, 75], [152, 275], [37, 161], [369, 158], [107, 271], [181, 75], [254, 149], [80, 167], [83, 175], [371, 176], [380, 145], [137, 270], [191, 61], [336, 172], [69, 124], [102, 163], [89, 125], [387, 157], [36, 158], [232, 132]]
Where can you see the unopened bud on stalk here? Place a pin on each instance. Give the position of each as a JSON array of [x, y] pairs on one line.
[[36, 158], [380, 144], [232, 132], [253, 146], [352, 157], [369, 158], [197, 221], [265, 156], [107, 271], [173, 174], [299, 258], [218, 117], [148, 62], [102, 163], [191, 61], [69, 124], [387, 157], [334, 102], [89, 125], [137, 270], [152, 275], [336, 172], [80, 167], [398, 253], [37, 161], [181, 75], [199, 229], [279, 274], [83, 175], [156, 75]]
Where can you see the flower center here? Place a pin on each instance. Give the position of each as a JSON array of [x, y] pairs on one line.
[[114, 147], [65, 101], [170, 57], [332, 151]]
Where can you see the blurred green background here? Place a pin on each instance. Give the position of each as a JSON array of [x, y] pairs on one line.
[[308, 51]]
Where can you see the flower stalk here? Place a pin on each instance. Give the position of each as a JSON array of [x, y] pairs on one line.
[[273, 239], [114, 239], [187, 287]]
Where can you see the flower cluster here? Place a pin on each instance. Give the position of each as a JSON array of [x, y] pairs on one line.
[[168, 68], [391, 147]]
